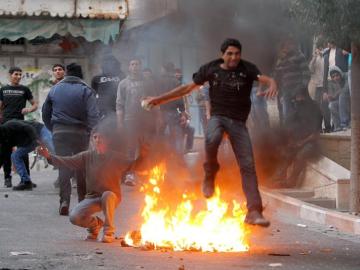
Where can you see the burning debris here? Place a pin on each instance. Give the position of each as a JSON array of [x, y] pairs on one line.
[[219, 228]]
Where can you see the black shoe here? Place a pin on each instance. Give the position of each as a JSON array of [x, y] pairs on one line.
[[7, 182], [64, 208], [28, 185], [34, 185], [256, 218], [208, 187]]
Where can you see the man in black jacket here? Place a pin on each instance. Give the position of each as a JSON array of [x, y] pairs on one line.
[[70, 112], [106, 85]]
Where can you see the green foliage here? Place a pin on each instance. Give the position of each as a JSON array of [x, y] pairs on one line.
[[333, 19]]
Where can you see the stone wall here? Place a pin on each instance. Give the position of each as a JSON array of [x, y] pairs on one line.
[[336, 146]]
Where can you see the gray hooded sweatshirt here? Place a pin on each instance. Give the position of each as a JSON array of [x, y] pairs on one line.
[[337, 88]]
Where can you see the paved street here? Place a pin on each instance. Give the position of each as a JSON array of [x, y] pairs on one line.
[[29, 222]]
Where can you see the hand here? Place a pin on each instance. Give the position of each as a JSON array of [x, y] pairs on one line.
[[149, 102], [271, 92], [25, 111], [43, 151]]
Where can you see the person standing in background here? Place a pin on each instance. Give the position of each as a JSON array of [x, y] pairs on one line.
[[70, 112], [316, 86], [106, 85], [13, 98]]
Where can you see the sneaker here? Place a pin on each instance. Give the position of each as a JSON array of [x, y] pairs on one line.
[[93, 233], [130, 180], [208, 187], [28, 185], [64, 208], [108, 238], [190, 151], [7, 182], [256, 218]]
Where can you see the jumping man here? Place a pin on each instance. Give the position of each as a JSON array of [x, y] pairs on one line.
[[230, 80]]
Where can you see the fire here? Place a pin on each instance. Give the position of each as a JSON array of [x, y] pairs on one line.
[[218, 228]]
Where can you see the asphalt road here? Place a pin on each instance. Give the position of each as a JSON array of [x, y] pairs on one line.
[[29, 222]]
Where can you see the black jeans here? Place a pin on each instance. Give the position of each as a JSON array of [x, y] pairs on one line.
[[68, 144], [324, 107], [241, 145]]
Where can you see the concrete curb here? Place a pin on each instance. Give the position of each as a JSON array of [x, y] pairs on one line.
[[279, 202]]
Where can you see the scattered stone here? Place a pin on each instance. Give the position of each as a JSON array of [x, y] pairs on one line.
[[279, 254], [182, 267], [301, 225], [327, 250], [124, 244], [85, 257], [17, 253], [6, 195], [305, 252], [99, 252], [275, 265]]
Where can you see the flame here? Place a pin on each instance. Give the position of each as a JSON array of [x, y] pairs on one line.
[[218, 228]]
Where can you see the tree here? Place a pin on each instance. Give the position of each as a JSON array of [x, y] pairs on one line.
[[340, 21]]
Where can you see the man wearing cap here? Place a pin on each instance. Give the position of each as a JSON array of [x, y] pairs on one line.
[[70, 112]]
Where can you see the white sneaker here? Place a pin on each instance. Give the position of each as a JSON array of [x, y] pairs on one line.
[[130, 180]]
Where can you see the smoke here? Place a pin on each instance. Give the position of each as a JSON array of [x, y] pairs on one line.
[[191, 37], [199, 27]]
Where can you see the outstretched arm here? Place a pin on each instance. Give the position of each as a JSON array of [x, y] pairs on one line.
[[175, 93], [74, 162]]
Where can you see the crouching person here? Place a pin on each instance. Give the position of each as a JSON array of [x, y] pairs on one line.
[[103, 168]]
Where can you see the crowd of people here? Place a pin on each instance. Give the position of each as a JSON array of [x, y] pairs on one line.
[[326, 76], [100, 134], [75, 129]]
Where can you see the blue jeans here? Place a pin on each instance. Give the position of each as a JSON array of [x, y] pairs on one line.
[[288, 107], [344, 109], [241, 145], [17, 158], [258, 112], [83, 214]]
